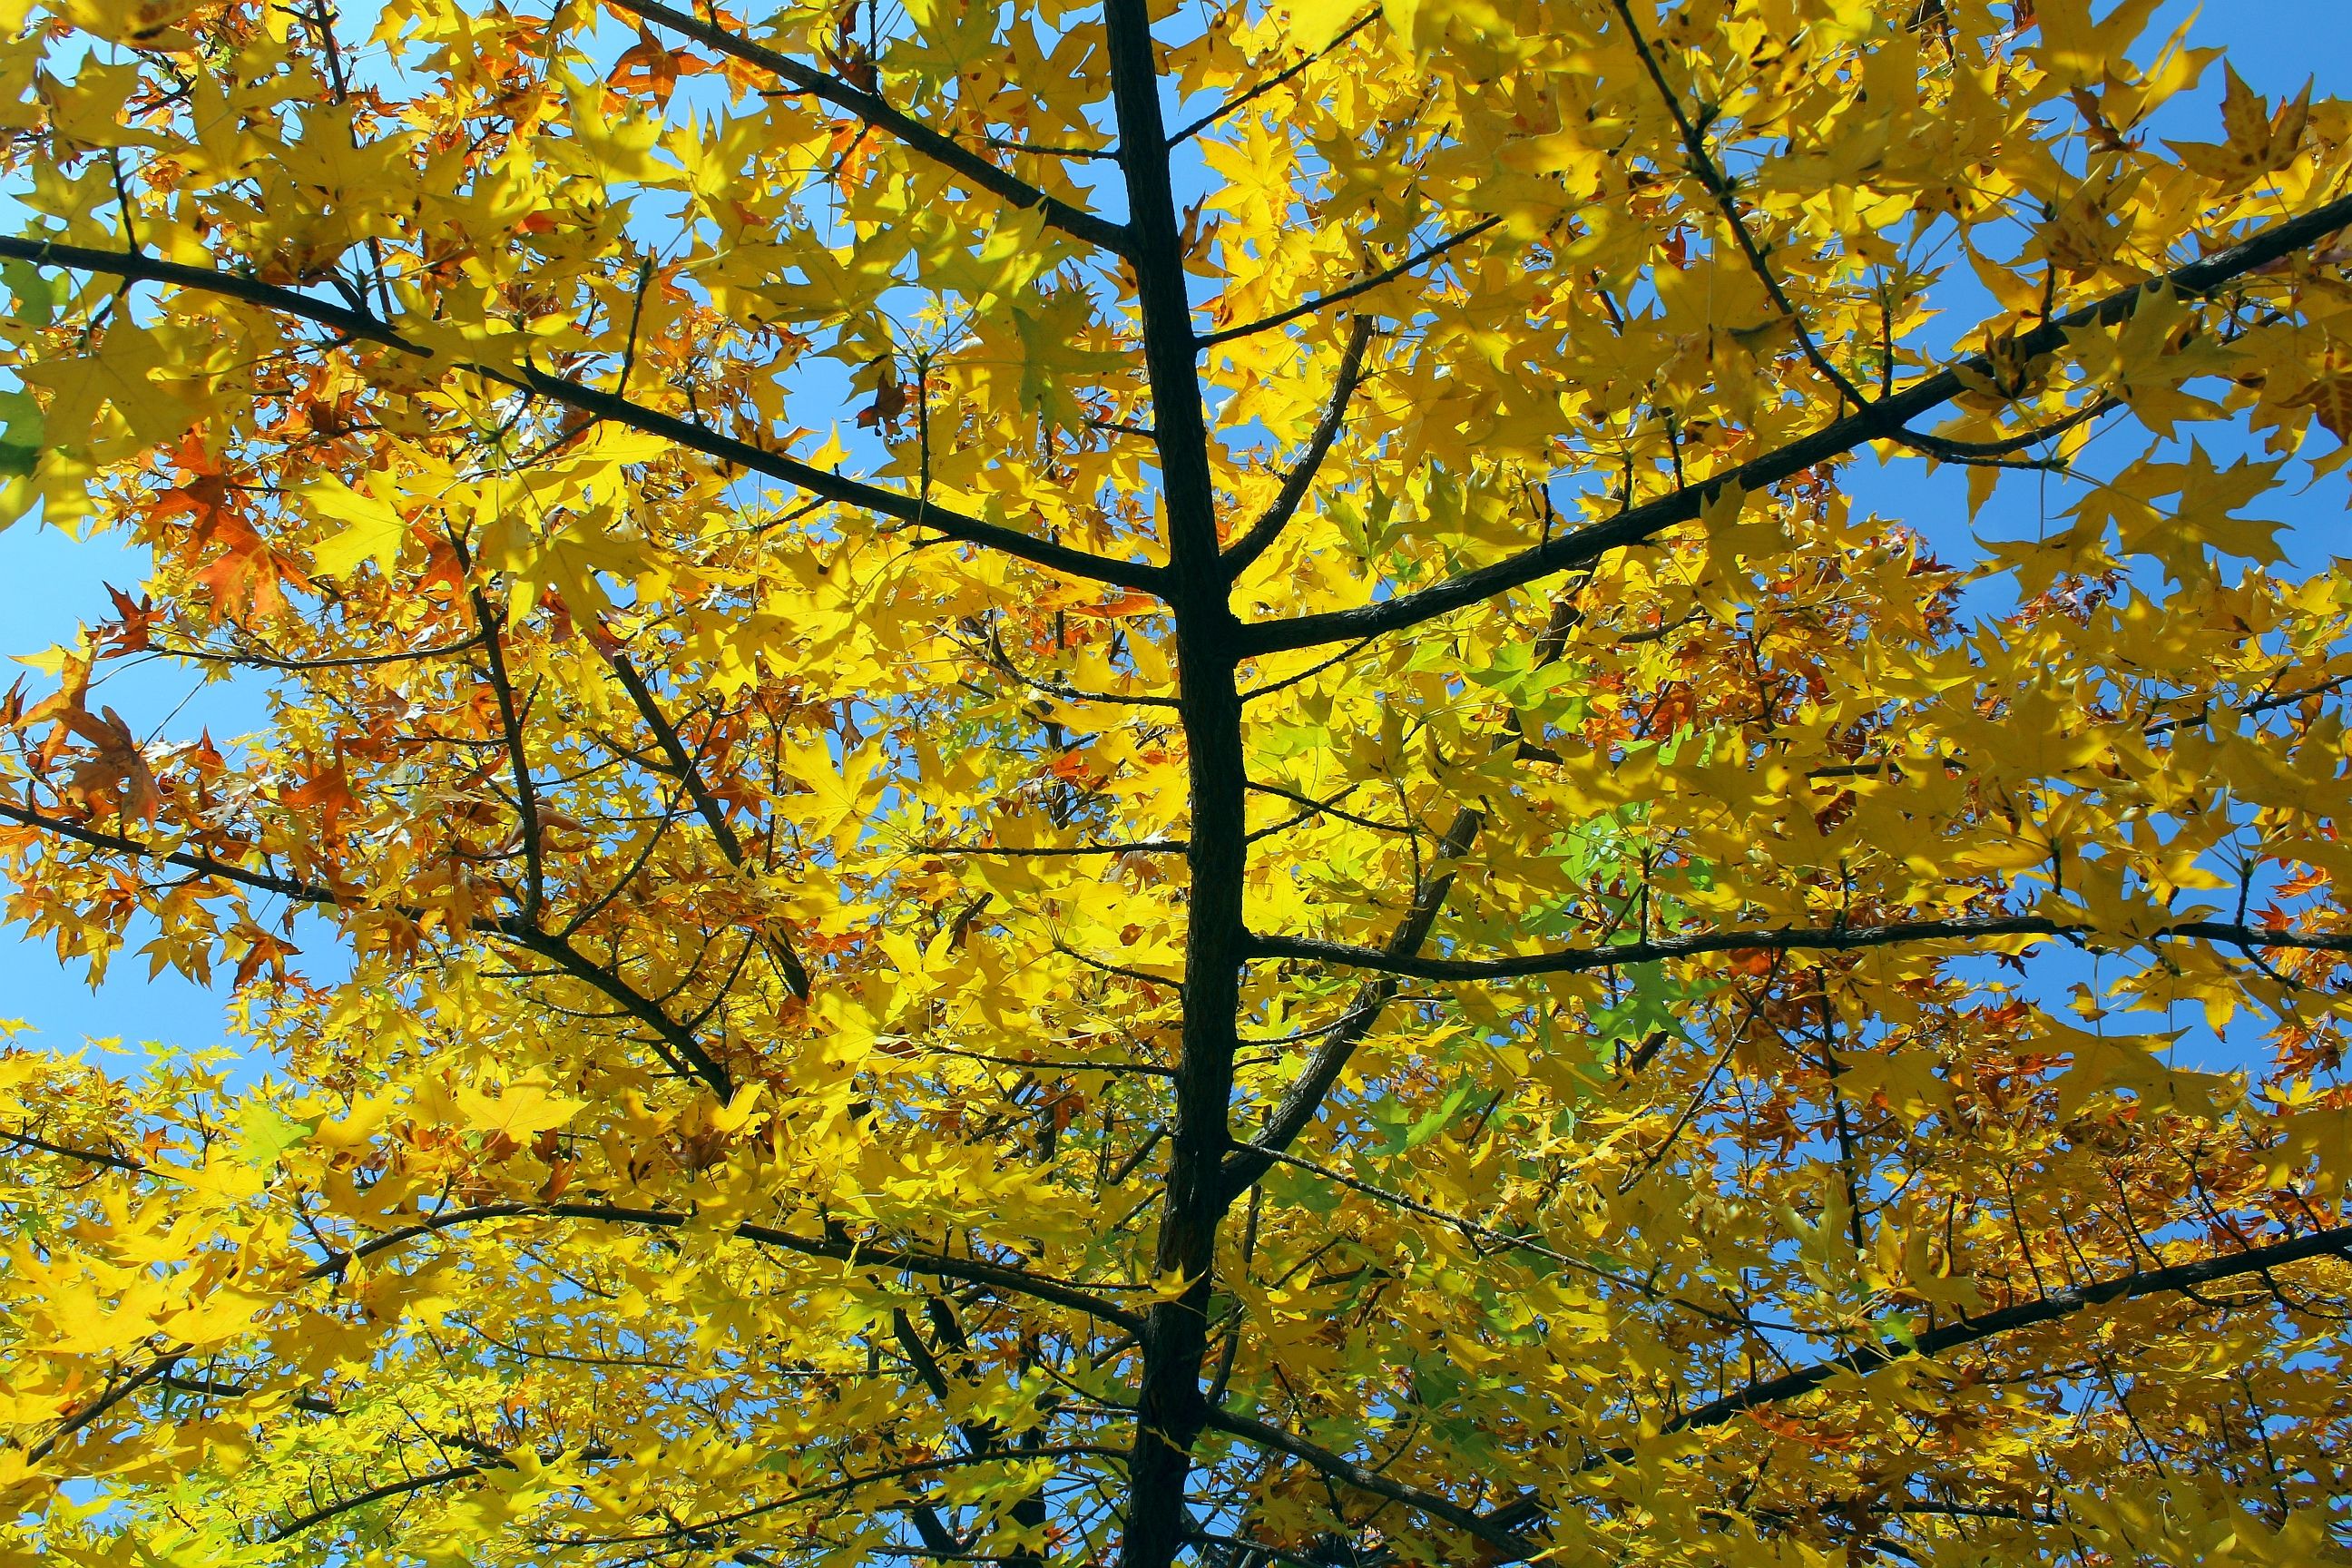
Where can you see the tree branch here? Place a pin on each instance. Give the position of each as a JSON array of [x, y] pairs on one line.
[[1995, 451], [1491, 1528], [1265, 1435], [1048, 851], [915, 510], [1885, 419], [1301, 477], [162, 1363], [1472, 1230], [852, 1483], [510, 730], [2180, 1276], [1827, 939], [839, 1249], [1389, 274], [673, 1039], [204, 865], [1710, 174], [677, 1043], [1298, 1105], [302, 1523], [879, 112], [666, 736], [67, 1152], [1193, 128]]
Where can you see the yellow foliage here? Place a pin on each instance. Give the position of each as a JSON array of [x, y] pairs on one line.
[[1062, 784]]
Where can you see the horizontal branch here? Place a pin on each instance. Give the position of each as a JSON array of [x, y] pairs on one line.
[[690, 1528], [2180, 1276], [840, 1249], [358, 325], [204, 865], [1037, 851], [353, 661], [302, 1523], [69, 1151], [1881, 420], [1473, 1231], [676, 1042], [1331, 809], [2007, 447], [309, 1404], [1050, 1063], [1825, 939], [883, 115], [1265, 1435]]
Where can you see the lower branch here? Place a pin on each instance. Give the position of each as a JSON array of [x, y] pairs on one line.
[[1265, 1435], [2180, 1276], [675, 1043]]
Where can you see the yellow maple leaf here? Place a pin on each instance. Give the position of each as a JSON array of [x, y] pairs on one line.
[[119, 374], [518, 1112], [372, 527], [141, 23], [222, 1316], [840, 789]]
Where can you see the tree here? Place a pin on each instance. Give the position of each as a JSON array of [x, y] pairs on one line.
[[1084, 784]]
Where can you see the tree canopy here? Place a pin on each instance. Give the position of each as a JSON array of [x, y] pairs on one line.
[[1093, 783]]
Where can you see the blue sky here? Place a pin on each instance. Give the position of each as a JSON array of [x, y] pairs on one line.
[[54, 582]]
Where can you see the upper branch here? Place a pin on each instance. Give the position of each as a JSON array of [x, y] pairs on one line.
[[1364, 285], [1827, 939], [358, 325], [1301, 477], [706, 804], [1241, 99], [510, 728], [1171, 347], [673, 1039], [879, 112], [1885, 419], [1710, 174]]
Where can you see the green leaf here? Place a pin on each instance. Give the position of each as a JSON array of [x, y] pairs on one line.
[[36, 296], [1430, 1125], [1652, 1005], [21, 447], [266, 1133]]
